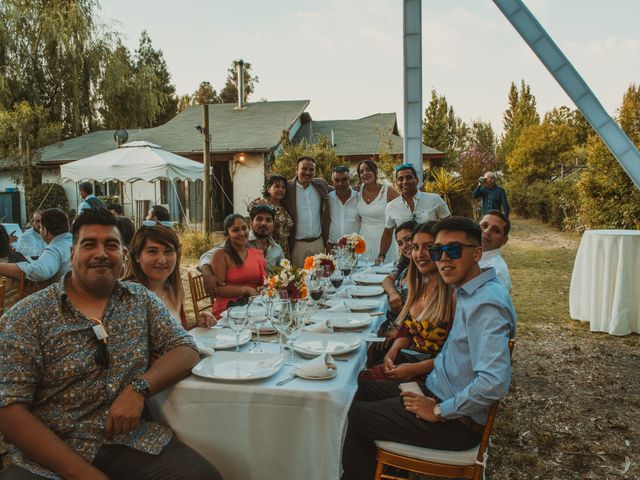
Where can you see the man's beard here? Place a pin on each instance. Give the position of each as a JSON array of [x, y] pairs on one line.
[[260, 235]]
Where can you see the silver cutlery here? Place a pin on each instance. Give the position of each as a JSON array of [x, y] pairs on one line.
[[285, 381]]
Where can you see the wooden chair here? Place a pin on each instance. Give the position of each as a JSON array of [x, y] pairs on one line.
[[437, 463], [198, 294], [3, 286], [27, 287]]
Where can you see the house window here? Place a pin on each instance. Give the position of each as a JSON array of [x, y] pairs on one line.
[[164, 192], [102, 189]]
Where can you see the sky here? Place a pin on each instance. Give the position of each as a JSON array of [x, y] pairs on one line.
[[345, 56]]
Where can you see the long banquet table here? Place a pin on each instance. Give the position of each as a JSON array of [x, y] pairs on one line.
[[258, 431], [605, 285]]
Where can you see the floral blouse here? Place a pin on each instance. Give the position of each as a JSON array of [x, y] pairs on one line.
[[283, 223]]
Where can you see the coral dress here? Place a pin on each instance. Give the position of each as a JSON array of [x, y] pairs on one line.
[[250, 274], [372, 226]]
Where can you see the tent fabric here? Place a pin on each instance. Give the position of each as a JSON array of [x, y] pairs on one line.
[[131, 162]]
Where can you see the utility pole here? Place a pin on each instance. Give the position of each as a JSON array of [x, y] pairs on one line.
[[206, 187]]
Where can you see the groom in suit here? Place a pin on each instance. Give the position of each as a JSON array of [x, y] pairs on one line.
[[307, 201]]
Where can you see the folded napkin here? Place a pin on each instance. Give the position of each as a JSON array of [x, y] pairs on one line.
[[339, 307], [205, 350], [323, 326], [368, 271], [319, 367]]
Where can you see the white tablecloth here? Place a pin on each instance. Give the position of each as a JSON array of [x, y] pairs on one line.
[[258, 431], [605, 285]]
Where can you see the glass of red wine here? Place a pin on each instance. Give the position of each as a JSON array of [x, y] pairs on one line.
[[337, 278]]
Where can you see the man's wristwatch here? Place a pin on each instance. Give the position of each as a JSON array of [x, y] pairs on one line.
[[436, 410], [140, 385]]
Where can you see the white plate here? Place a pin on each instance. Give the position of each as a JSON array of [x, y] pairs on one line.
[[265, 329], [344, 320], [253, 311], [383, 269], [314, 344], [239, 366], [366, 291], [219, 338], [355, 304], [333, 371], [368, 278]]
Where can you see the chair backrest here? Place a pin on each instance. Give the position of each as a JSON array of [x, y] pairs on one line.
[[27, 287], [488, 427], [198, 293], [3, 286]]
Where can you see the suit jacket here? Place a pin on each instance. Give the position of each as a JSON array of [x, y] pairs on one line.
[[289, 202]]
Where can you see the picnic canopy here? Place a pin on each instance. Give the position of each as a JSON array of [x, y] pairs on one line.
[[139, 160]]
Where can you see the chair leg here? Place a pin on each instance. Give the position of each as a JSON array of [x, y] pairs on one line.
[[379, 469]]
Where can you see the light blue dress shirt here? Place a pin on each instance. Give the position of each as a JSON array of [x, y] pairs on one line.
[[474, 367], [53, 262], [30, 244]]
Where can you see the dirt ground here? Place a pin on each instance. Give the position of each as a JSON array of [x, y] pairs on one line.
[[574, 407]]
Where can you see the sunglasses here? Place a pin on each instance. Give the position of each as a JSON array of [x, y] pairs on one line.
[[155, 223], [453, 251], [102, 357]]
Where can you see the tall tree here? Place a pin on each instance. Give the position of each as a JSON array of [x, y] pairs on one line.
[[442, 129], [482, 136], [522, 113], [205, 94], [229, 94], [147, 57]]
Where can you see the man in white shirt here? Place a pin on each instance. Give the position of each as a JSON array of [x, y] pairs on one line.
[[495, 233], [412, 204], [307, 201], [55, 259], [343, 204], [31, 244]]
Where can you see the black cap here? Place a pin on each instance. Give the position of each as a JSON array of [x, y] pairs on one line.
[[262, 208]]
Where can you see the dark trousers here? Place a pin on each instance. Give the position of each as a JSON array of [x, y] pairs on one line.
[[175, 462], [377, 413]]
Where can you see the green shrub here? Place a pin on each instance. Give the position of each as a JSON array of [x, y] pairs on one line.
[[194, 243], [47, 195]]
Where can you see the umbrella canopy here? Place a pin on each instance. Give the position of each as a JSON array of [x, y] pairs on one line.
[[134, 161]]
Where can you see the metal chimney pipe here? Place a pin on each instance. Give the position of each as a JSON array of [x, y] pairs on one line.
[[240, 67]]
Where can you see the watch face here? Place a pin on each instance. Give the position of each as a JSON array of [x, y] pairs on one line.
[[140, 385]]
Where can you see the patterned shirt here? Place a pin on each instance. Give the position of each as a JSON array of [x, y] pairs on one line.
[[47, 362]]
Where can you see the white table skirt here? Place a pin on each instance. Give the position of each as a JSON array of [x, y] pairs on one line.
[[605, 285], [258, 431]]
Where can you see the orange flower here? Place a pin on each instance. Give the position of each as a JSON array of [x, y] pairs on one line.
[[308, 263], [303, 292], [360, 246]]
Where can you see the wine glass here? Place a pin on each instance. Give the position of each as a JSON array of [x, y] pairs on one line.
[[257, 312], [294, 327], [336, 278], [281, 316], [315, 284], [237, 320]]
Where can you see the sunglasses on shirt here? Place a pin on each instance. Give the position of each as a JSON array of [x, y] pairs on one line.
[[155, 223], [102, 357], [453, 251]]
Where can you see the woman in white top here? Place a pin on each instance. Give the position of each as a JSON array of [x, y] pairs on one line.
[[371, 206]]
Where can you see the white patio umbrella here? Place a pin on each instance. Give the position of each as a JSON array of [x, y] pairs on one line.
[[131, 162]]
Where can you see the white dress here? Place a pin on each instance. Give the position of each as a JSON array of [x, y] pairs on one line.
[[372, 225]]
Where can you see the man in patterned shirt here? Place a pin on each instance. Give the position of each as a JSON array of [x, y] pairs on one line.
[[75, 372]]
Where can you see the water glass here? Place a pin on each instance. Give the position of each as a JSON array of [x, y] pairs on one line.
[[257, 312], [237, 320], [281, 316]]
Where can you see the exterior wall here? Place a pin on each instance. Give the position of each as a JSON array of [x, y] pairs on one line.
[[248, 181], [7, 182]]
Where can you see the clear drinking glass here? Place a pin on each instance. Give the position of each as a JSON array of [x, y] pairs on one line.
[[336, 278], [237, 319], [257, 312], [281, 316], [294, 327]]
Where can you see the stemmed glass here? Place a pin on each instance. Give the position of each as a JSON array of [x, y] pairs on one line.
[[257, 312], [281, 316], [237, 320], [293, 328], [336, 278], [315, 285]]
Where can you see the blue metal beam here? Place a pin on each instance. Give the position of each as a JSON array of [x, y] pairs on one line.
[[572, 83], [412, 69]]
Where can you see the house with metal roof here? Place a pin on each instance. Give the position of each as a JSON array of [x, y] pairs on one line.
[[243, 139]]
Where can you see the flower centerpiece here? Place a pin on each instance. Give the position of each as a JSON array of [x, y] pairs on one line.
[[354, 242], [320, 260], [288, 278]]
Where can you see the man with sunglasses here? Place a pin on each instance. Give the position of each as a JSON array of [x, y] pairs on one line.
[[472, 371], [412, 204], [75, 369]]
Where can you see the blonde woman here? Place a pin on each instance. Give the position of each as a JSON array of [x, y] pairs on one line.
[[425, 320]]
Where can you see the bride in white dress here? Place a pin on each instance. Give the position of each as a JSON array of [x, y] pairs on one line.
[[371, 205]]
